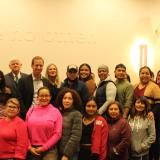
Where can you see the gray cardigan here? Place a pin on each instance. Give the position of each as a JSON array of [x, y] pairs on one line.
[[71, 132]]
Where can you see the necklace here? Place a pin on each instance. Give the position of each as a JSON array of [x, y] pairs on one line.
[[87, 121]]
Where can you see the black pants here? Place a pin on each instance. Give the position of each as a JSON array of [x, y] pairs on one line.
[[145, 157], [85, 153], [154, 151]]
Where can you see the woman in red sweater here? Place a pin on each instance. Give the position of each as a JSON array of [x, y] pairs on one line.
[[13, 133]]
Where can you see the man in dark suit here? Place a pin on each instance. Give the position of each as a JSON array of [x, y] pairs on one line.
[[13, 77], [29, 85]]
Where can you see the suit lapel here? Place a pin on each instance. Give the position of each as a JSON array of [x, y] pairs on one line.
[[30, 84]]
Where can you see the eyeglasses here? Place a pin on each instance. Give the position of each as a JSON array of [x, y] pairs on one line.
[[12, 107]]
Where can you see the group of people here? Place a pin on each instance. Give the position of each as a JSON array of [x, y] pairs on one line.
[[77, 119]]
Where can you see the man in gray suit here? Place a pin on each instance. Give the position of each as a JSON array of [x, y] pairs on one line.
[[13, 77]]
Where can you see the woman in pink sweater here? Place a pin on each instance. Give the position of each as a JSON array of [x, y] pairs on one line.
[[13, 133], [44, 123]]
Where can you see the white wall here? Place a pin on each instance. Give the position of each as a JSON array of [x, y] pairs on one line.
[[77, 31]]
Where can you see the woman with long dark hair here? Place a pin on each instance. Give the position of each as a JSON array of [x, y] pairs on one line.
[[94, 133], [85, 75]]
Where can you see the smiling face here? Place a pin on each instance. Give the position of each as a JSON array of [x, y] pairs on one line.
[[11, 110], [52, 71], [44, 97], [114, 111], [72, 74], [91, 108], [67, 100], [120, 73], [139, 106], [158, 78], [144, 76], [15, 66], [37, 67], [84, 72], [103, 74]]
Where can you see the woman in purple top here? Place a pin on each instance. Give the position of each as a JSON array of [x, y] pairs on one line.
[[44, 124]]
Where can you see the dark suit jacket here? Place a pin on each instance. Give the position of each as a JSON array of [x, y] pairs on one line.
[[12, 84], [26, 89]]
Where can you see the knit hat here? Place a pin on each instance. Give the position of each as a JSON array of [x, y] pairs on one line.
[[104, 67]]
